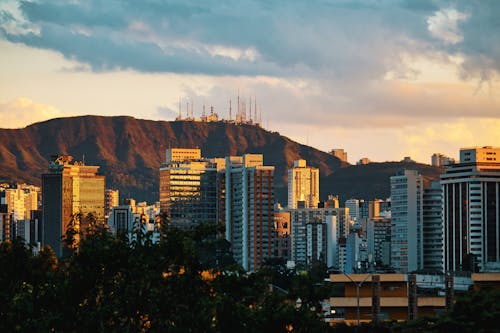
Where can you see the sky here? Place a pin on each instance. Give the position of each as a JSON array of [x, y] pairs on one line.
[[382, 79]]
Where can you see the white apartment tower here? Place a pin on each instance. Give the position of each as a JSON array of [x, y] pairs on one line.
[[407, 221], [433, 227], [303, 185], [471, 210]]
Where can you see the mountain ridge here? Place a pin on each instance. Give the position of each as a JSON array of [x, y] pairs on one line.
[[130, 151]]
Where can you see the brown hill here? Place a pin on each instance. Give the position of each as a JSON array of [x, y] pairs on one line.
[[131, 150]]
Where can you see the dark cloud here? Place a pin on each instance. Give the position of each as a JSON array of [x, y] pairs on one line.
[[336, 40]]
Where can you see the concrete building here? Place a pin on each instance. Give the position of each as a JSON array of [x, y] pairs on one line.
[[440, 160], [353, 206], [407, 221], [363, 161], [21, 200], [121, 219], [433, 228], [471, 205], [249, 204], [303, 185], [305, 229], [189, 187], [353, 256], [340, 154], [282, 234], [397, 297], [379, 241], [112, 199], [69, 188]]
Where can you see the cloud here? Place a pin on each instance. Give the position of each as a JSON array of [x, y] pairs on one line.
[[23, 111], [448, 136], [341, 40], [444, 25]]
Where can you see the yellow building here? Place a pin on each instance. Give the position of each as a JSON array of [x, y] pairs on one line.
[[69, 188], [303, 185]]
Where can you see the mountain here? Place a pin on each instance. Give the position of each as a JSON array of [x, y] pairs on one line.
[[371, 181], [130, 151]]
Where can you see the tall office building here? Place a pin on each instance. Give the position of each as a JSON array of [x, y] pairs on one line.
[[406, 224], [303, 185], [433, 227], [189, 187], [249, 203], [471, 210], [67, 189]]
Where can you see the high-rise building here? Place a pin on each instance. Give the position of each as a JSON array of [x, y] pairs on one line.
[[249, 203], [353, 244], [282, 234], [189, 188], [340, 154], [433, 227], [69, 188], [379, 240], [112, 200], [440, 160], [471, 210], [303, 185], [21, 200], [308, 225], [406, 224], [353, 206]]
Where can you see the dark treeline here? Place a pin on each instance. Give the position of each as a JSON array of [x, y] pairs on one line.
[[187, 282]]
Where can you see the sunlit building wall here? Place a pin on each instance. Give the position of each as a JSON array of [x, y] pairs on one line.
[[249, 208], [303, 185], [69, 188]]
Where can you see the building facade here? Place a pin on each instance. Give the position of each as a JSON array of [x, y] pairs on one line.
[[249, 209], [440, 160], [69, 188], [303, 185], [407, 221], [340, 154], [433, 228], [112, 198], [188, 188], [308, 225], [471, 211]]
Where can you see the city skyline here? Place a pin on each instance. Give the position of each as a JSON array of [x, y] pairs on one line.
[[422, 75]]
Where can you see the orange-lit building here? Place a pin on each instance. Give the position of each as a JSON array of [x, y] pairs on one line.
[[398, 298]]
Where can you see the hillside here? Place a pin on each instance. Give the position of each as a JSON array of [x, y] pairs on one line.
[[131, 150], [372, 180]]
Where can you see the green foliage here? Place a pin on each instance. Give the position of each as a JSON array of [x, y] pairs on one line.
[[184, 283]]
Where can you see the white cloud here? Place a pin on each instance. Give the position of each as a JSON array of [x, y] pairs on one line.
[[444, 25], [22, 111]]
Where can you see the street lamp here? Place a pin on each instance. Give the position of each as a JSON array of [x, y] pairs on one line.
[[358, 285]]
